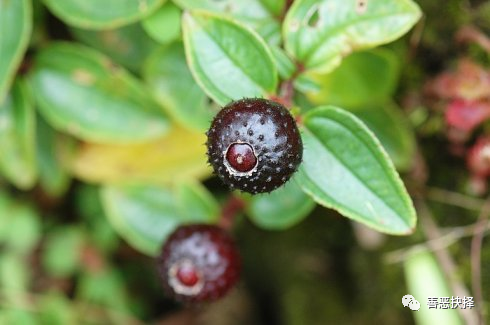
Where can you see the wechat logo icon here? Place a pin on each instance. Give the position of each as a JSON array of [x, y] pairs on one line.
[[410, 302]]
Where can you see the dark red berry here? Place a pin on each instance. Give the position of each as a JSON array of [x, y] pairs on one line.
[[198, 263], [254, 145]]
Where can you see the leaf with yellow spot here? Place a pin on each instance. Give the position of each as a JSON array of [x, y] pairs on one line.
[[179, 155]]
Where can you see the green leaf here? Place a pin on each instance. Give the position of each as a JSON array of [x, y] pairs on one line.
[[56, 308], [257, 14], [81, 92], [15, 31], [53, 178], [168, 76], [128, 45], [281, 209], [17, 315], [228, 60], [164, 25], [345, 168], [175, 157], [20, 225], [17, 137], [89, 206], [393, 130], [285, 66], [105, 288], [363, 78], [425, 279], [275, 7], [146, 215], [63, 251], [101, 14], [320, 33], [14, 275]]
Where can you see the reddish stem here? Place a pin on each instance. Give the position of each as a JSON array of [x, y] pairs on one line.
[[286, 91], [471, 34], [287, 5], [231, 208]]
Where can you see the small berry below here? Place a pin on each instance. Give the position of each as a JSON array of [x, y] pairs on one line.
[[198, 263]]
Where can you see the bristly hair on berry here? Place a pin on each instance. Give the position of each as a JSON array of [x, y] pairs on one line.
[[254, 145]]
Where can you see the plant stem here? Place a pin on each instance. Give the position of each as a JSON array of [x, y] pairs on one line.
[[229, 211], [286, 89], [450, 237], [285, 10], [471, 34], [445, 260], [476, 245], [454, 199]]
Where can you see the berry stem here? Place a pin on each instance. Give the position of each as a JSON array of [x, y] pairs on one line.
[[286, 89], [285, 10], [230, 209]]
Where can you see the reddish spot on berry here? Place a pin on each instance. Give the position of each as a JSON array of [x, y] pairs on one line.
[[241, 157], [187, 274]]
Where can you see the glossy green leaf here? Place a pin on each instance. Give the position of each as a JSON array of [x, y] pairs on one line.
[[320, 33], [228, 60], [101, 14], [53, 177], [17, 137], [425, 279], [285, 66], [305, 84], [164, 25], [128, 45], [168, 76], [259, 15], [345, 168], [146, 215], [393, 130], [66, 242], [15, 31], [363, 78], [81, 92], [281, 209]]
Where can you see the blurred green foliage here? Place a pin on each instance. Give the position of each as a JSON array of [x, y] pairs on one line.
[[103, 108]]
